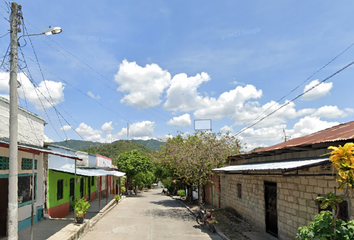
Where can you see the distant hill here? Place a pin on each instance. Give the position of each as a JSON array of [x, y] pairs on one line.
[[77, 144], [112, 150], [151, 144]]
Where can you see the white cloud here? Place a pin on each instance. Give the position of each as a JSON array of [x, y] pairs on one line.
[[107, 127], [183, 120], [308, 125], [332, 112], [317, 92], [65, 128], [93, 95], [226, 129], [47, 94], [144, 85], [229, 104], [137, 130], [47, 139], [183, 95], [89, 134]]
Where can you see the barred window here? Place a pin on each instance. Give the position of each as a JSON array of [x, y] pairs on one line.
[[25, 186], [26, 164], [4, 163]]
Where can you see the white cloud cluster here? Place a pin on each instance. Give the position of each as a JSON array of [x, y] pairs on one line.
[[317, 92], [65, 128], [140, 130], [144, 85], [47, 94], [183, 120], [93, 96]]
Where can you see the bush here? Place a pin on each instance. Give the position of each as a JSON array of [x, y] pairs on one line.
[[321, 228], [123, 189], [117, 197], [181, 193]]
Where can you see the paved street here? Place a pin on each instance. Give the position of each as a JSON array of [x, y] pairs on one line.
[[149, 215]]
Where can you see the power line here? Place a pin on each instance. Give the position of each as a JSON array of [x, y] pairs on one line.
[[298, 96], [332, 60]]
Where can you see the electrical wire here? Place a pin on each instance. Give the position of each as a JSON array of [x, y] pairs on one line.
[[298, 96], [296, 88]]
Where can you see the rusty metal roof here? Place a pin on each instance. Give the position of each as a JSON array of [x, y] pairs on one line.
[[341, 132], [274, 166]]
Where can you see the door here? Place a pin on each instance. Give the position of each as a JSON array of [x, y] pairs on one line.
[[82, 187], [89, 189], [270, 197], [4, 186], [71, 194]]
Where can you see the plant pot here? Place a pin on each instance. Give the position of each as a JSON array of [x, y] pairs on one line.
[[79, 220]]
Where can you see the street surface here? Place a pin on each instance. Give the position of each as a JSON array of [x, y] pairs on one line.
[[149, 215]]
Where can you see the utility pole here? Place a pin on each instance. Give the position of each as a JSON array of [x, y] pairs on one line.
[[12, 209]]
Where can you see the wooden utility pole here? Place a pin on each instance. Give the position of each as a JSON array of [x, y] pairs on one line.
[[12, 209]]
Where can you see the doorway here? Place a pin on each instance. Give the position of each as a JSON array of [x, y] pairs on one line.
[[271, 218], [4, 186], [71, 194]]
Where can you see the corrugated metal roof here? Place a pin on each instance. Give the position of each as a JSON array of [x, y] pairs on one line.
[[82, 172], [274, 166], [339, 132]]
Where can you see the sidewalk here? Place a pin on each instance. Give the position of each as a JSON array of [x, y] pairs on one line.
[[66, 228]]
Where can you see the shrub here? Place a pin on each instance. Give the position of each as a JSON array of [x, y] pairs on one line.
[[181, 193], [321, 228], [117, 197]]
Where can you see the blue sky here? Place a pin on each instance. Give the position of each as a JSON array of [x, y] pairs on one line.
[[160, 65]]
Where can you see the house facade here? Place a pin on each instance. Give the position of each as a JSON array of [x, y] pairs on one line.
[[275, 188], [30, 138]]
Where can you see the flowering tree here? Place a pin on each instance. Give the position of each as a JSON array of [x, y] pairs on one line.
[[191, 158]]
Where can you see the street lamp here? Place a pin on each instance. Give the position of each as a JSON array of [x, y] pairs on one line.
[[15, 20]]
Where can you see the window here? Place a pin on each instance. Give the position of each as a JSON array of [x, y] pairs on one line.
[[4, 163], [239, 190], [60, 189], [25, 186], [26, 164]]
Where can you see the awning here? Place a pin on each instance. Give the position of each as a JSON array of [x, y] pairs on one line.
[[79, 171], [274, 166], [105, 172]]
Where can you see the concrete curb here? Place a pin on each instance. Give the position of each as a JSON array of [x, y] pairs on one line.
[[79, 230], [216, 228]]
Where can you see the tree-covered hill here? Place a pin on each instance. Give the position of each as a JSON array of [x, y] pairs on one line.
[[113, 150], [77, 144], [151, 144]]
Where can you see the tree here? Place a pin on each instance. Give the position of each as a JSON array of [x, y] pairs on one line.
[[191, 158], [134, 163]]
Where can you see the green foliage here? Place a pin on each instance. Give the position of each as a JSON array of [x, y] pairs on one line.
[[77, 144], [331, 200], [181, 193], [123, 189], [115, 149], [190, 159], [151, 144], [136, 166], [321, 229], [81, 205], [117, 197], [144, 179]]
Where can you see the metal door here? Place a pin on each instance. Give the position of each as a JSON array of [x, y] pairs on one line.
[[271, 218]]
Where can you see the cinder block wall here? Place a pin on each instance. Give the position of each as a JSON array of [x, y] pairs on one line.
[[296, 198]]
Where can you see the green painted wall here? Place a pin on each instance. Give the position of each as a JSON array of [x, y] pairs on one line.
[[52, 190]]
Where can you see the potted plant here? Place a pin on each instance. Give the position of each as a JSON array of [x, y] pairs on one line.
[[81, 205], [117, 198]]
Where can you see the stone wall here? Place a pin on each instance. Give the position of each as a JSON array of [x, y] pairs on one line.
[[296, 198]]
